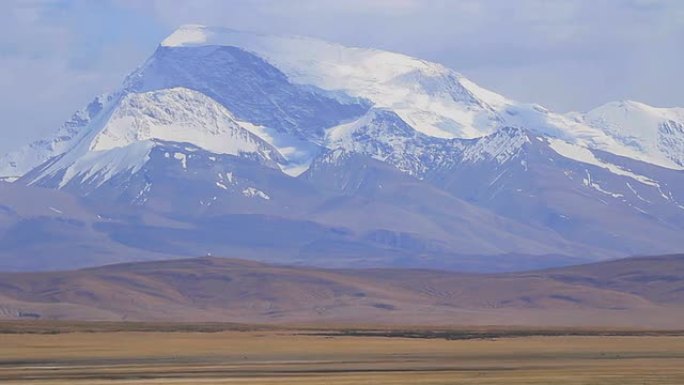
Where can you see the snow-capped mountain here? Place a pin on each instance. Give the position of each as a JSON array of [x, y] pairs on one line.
[[351, 143], [431, 98]]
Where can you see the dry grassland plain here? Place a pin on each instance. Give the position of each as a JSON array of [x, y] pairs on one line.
[[270, 356]]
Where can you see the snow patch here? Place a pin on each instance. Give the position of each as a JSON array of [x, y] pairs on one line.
[[141, 198], [252, 192], [589, 183], [183, 159], [636, 193], [501, 146], [584, 155], [298, 153]]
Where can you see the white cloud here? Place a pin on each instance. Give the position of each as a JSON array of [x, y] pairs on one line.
[[49, 68]]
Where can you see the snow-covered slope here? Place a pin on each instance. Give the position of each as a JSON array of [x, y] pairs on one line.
[[657, 131], [121, 139], [383, 135], [15, 164], [179, 115]]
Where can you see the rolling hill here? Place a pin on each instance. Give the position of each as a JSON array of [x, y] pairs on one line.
[[635, 292]]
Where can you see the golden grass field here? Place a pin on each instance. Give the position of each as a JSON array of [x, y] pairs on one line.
[[110, 355]]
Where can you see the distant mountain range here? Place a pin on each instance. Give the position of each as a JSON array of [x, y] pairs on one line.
[[295, 150]]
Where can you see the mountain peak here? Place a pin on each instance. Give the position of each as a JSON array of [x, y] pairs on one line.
[[432, 99], [647, 129], [440, 102], [625, 104], [187, 34]]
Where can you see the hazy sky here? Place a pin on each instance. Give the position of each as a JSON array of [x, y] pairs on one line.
[[55, 55]]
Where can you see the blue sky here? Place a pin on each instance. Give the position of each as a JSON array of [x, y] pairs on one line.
[[56, 55]]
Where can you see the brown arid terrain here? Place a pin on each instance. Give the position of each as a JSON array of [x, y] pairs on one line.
[[127, 354], [223, 321], [631, 293]]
